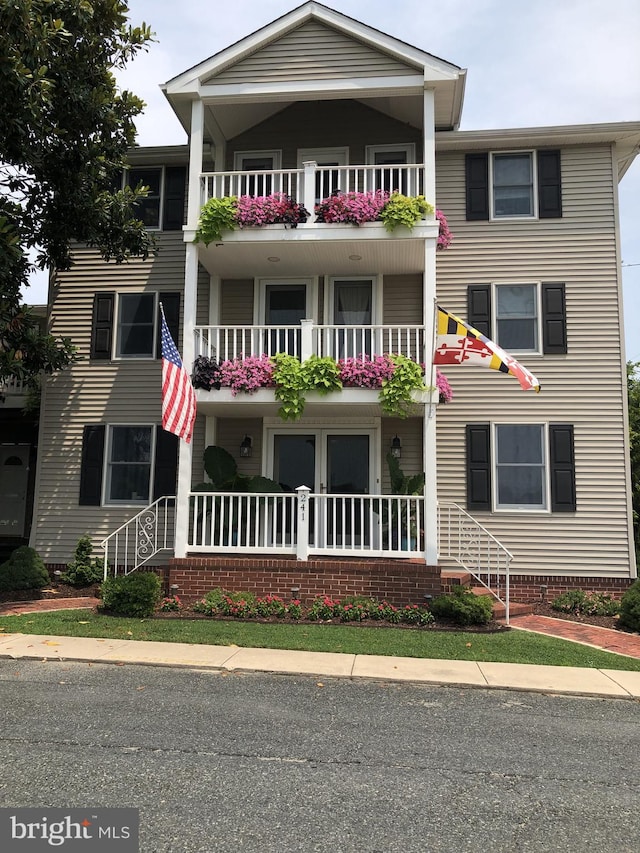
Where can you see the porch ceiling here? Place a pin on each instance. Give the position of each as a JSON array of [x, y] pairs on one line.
[[286, 253]]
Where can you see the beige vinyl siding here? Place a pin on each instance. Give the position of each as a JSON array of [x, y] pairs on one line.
[[236, 302], [92, 392], [585, 387], [312, 52], [324, 124], [229, 434], [402, 300]]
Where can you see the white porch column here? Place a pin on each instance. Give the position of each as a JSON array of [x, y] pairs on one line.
[[302, 536], [429, 422], [429, 153], [309, 184], [196, 142], [306, 339], [185, 450]]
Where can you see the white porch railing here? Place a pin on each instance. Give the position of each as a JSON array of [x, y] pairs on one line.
[[229, 342], [304, 524], [13, 387], [465, 541], [313, 183], [141, 538]]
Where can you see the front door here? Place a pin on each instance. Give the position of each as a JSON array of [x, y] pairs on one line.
[[335, 465], [14, 479]]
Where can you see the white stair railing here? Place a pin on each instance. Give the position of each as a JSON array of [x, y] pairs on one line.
[[465, 541], [141, 538]]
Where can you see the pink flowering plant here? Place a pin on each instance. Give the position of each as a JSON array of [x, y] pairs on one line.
[[365, 372], [444, 234], [352, 207], [171, 604], [274, 209], [444, 389], [246, 374]]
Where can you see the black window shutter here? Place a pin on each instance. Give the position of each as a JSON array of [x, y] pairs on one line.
[[92, 465], [102, 325], [549, 185], [554, 318], [174, 190], [563, 468], [171, 308], [166, 464], [477, 186], [479, 307], [478, 466]]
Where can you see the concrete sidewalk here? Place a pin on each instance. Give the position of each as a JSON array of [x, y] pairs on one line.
[[547, 679]]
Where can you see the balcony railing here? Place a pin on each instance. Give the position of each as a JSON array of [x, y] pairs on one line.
[[313, 183], [306, 523], [224, 343]]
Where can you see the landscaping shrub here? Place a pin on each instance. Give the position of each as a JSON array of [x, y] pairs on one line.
[[23, 570], [630, 608], [136, 594], [85, 569], [588, 603], [463, 607]]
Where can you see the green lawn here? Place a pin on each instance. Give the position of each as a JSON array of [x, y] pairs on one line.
[[509, 646]]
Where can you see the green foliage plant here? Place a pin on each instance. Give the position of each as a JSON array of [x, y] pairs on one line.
[[463, 607], [23, 570], [84, 569], [291, 384], [216, 216], [137, 594], [404, 210], [222, 470], [396, 394], [321, 374], [586, 603], [630, 608]]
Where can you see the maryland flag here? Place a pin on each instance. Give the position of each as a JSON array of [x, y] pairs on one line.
[[457, 343]]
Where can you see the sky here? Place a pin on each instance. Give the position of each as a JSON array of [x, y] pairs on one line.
[[529, 63]]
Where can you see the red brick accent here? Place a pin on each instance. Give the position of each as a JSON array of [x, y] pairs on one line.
[[531, 587], [398, 581]]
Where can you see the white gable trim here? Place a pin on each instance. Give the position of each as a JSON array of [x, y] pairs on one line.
[[238, 93]]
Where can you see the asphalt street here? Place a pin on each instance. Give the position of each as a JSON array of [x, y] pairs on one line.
[[252, 762]]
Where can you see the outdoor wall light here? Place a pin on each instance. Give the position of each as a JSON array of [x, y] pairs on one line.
[[246, 448], [396, 447], [295, 592], [174, 588]]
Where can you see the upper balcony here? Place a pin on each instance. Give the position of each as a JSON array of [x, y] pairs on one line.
[[13, 394], [339, 239]]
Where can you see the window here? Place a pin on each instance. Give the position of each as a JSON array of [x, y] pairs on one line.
[[520, 467], [387, 178], [261, 162], [129, 455], [163, 206], [136, 325], [530, 317], [353, 307], [517, 317], [126, 325], [513, 185], [127, 464], [328, 180]]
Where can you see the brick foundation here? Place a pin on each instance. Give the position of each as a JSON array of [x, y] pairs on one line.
[[529, 588], [398, 581]]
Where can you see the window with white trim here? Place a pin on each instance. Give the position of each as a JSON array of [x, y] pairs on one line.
[[513, 185], [262, 162], [517, 317], [386, 177], [136, 325], [148, 209], [520, 462], [129, 466]]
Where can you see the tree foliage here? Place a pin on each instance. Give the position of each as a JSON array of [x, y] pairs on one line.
[[65, 128], [633, 393]]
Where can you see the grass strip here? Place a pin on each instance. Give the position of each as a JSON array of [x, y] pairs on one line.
[[506, 647]]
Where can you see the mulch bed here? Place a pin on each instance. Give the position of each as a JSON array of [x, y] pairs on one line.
[[53, 591], [545, 609]]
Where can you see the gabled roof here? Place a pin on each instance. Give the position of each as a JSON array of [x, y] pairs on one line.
[[284, 62]]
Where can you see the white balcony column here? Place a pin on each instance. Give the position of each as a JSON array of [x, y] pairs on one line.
[[430, 408], [309, 184], [306, 339], [196, 140], [185, 450], [302, 536], [429, 153]]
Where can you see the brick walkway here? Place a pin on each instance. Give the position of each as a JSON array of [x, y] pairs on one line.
[[602, 638], [15, 608]]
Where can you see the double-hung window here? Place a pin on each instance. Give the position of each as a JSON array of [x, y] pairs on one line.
[[163, 207], [517, 317], [136, 327], [513, 185], [520, 467], [148, 208], [125, 325], [129, 464]]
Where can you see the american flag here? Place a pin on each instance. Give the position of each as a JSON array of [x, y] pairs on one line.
[[178, 396], [458, 343]]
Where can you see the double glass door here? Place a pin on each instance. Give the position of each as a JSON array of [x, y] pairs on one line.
[[335, 466]]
